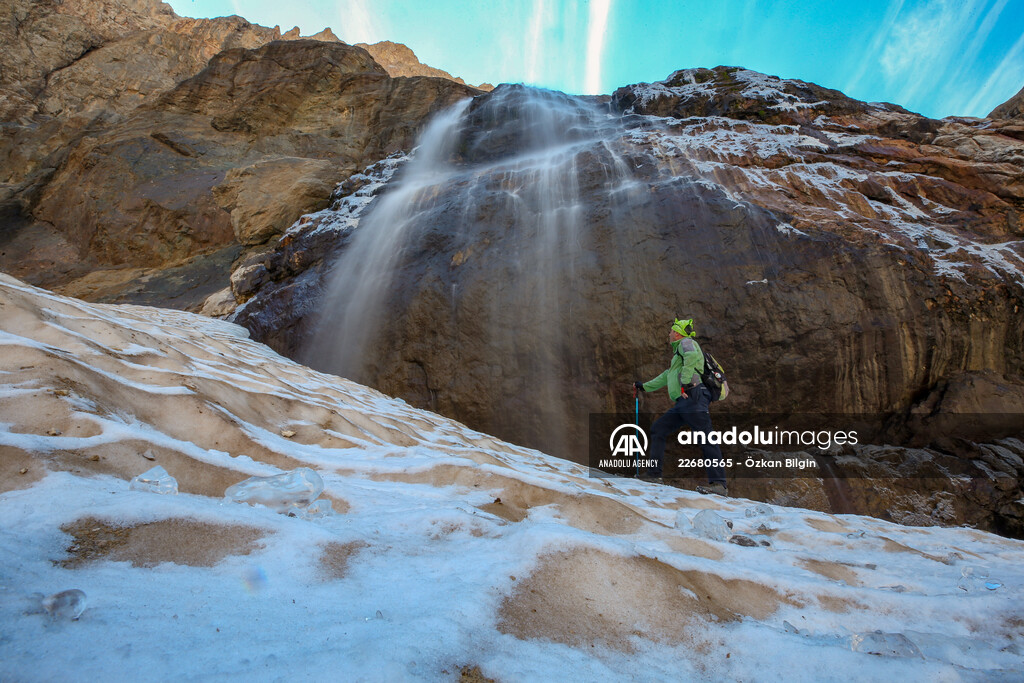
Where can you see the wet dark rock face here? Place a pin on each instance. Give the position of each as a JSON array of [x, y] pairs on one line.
[[837, 256]]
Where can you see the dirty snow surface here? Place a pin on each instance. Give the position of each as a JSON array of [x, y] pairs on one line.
[[400, 545]]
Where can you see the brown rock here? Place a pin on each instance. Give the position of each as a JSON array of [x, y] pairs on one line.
[[41, 38], [121, 75], [115, 18], [1012, 108], [184, 285], [141, 192], [399, 60], [219, 304], [267, 197], [326, 35]]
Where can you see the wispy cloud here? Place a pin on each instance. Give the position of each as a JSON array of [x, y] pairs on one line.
[[922, 45], [596, 31], [357, 23], [966, 59], [882, 36], [1004, 81], [534, 39]]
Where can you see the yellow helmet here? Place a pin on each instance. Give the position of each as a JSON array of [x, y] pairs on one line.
[[684, 327]]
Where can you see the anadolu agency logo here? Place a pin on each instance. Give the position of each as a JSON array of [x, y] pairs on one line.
[[628, 446]]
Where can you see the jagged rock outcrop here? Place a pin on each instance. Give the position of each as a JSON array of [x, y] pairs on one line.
[[106, 171], [1012, 108], [399, 60]]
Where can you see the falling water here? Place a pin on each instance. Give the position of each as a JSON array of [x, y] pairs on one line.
[[354, 299], [481, 251]]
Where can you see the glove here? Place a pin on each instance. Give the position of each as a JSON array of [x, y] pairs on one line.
[[639, 386]]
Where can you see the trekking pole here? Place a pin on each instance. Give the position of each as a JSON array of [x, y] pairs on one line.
[[636, 400]]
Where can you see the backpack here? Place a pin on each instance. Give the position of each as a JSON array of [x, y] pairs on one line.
[[713, 377]]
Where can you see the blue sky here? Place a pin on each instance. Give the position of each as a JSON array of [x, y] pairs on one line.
[[936, 57]]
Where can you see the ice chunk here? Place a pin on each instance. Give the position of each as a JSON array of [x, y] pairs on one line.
[[287, 492], [976, 578], [709, 524], [318, 509], [759, 510], [885, 644], [682, 521], [67, 604], [156, 480]]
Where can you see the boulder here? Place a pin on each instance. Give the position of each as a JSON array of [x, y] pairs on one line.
[[267, 197]]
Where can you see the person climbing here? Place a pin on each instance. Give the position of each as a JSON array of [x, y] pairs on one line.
[[692, 400]]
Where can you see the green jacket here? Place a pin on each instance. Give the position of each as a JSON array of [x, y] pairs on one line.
[[685, 370]]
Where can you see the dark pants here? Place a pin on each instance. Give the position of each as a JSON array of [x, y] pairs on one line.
[[693, 413]]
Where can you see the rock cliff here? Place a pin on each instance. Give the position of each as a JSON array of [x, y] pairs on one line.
[[138, 144], [870, 254], [839, 256]]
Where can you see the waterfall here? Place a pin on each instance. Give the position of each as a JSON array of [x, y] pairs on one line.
[[361, 280], [477, 255]]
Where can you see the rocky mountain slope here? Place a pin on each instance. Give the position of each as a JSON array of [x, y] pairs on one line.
[[464, 554], [129, 171], [398, 60]]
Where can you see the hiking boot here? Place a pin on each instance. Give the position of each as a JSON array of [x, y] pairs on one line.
[[718, 488]]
